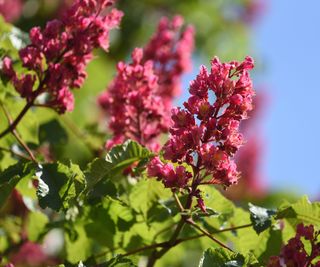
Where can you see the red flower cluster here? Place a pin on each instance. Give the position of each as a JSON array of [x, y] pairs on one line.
[[170, 52], [10, 10], [205, 134], [170, 176], [59, 54], [295, 254], [140, 96], [30, 254], [136, 111]]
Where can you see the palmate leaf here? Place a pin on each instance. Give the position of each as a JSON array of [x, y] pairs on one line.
[[119, 261], [220, 258], [10, 177], [302, 211], [59, 185], [117, 159], [145, 194], [220, 208]]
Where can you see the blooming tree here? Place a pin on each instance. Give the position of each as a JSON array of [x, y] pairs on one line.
[[58, 210]]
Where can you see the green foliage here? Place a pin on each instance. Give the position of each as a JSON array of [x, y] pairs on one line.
[[59, 185], [118, 158], [220, 258], [10, 178], [261, 218], [301, 211], [120, 262], [102, 211], [11, 39], [36, 224]]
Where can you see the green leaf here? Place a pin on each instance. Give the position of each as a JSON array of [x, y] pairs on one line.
[[223, 208], [302, 211], [261, 218], [120, 261], [11, 177], [102, 189], [220, 257], [101, 228], [60, 185], [52, 132], [145, 194], [78, 247], [36, 224], [116, 160], [124, 155], [11, 39]]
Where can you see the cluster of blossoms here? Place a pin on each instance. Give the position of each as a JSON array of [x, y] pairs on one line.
[[58, 55], [295, 253], [205, 134], [31, 254], [10, 10], [139, 98], [171, 56]]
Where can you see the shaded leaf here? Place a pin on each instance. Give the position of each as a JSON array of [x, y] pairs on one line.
[[36, 224], [261, 218], [220, 257], [52, 132], [10, 177], [119, 261], [60, 185], [302, 211], [117, 159]]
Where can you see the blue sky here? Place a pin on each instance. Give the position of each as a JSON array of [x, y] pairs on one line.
[[288, 41]]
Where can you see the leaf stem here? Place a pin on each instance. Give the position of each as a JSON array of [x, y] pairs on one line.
[[176, 198]]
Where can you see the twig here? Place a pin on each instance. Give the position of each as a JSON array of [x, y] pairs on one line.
[[15, 133], [12, 126], [176, 242], [215, 232], [176, 198], [24, 145], [189, 221], [156, 245]]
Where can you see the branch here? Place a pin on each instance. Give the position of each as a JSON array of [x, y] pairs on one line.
[[169, 245], [176, 198], [158, 254], [24, 145], [13, 130], [13, 124], [214, 232], [189, 221]]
